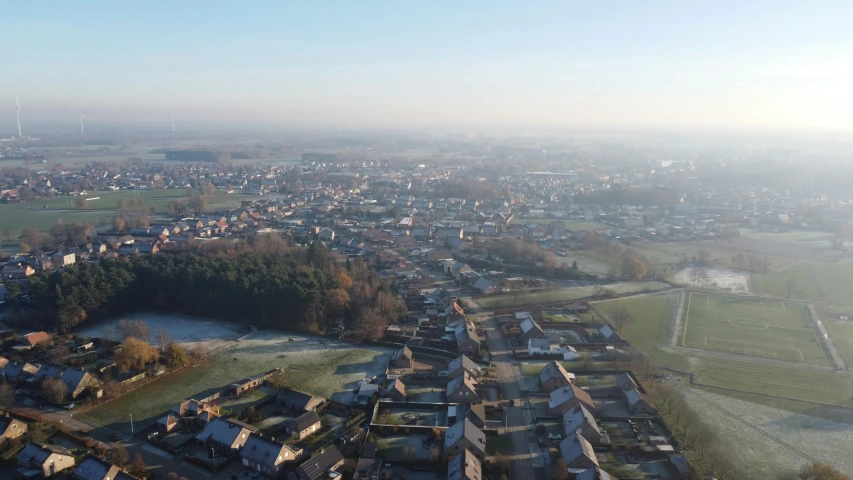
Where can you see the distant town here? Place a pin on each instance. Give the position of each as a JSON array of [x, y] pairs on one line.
[[443, 308]]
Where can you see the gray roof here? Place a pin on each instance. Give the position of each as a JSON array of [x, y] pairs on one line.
[[297, 398], [73, 377], [226, 432], [93, 468], [36, 453], [575, 417], [305, 420], [464, 429], [574, 446], [563, 395], [367, 389], [553, 369], [319, 465], [483, 283], [529, 325], [465, 465], [542, 343], [466, 363], [266, 451]]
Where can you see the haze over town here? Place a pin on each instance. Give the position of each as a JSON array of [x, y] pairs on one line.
[[431, 241]]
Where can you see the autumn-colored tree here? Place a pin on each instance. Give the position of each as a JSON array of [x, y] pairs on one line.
[[119, 224], [198, 204], [120, 455], [820, 471], [208, 189], [344, 280], [176, 356], [54, 390], [135, 354], [134, 328], [138, 467], [81, 203], [337, 301], [635, 267], [371, 324]]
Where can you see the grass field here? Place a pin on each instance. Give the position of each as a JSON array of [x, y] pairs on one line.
[[328, 369], [42, 214], [768, 329], [652, 330], [571, 225], [564, 294]]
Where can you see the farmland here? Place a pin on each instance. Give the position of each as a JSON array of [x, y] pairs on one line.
[[42, 214], [570, 225], [326, 368], [768, 329]]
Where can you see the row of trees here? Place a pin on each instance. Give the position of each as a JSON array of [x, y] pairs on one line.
[[300, 290]]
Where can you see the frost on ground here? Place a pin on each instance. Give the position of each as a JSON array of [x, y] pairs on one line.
[[315, 364], [188, 331], [715, 278], [824, 440]]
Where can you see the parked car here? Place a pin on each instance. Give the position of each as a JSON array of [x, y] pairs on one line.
[[555, 436], [443, 373]]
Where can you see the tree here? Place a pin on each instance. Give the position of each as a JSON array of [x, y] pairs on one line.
[[138, 467], [120, 455], [54, 390], [122, 204], [634, 267], [24, 247], [163, 338], [134, 328], [81, 203], [7, 393], [208, 189], [620, 317], [279, 381], [31, 237], [198, 204], [119, 224], [177, 207], [371, 324], [819, 471], [135, 354], [7, 234], [176, 356]]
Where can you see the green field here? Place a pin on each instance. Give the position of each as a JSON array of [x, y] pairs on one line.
[[42, 214], [651, 333], [570, 225], [768, 329]]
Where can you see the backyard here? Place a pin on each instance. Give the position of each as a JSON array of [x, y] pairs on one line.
[[330, 369]]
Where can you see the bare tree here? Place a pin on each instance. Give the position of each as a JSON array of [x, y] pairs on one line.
[[163, 338], [620, 317]]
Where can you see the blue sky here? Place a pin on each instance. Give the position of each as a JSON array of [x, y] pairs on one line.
[[780, 64]]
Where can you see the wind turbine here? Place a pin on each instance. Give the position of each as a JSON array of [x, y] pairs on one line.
[[172, 116], [18, 114], [81, 122]]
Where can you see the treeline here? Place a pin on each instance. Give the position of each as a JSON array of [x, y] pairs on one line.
[[566, 273], [650, 197], [299, 290]]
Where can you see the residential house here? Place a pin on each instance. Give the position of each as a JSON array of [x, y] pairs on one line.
[[402, 358], [467, 340], [365, 393], [323, 466], [267, 456], [33, 339], [326, 235], [608, 335], [529, 327], [462, 389], [578, 453], [476, 413], [553, 377], [539, 346], [225, 436], [94, 468], [465, 467], [38, 460], [18, 372], [11, 428], [461, 436], [639, 403], [76, 380], [626, 382], [188, 416], [464, 364], [17, 271], [396, 391], [299, 402], [305, 425], [580, 419], [566, 398], [485, 286], [63, 259]]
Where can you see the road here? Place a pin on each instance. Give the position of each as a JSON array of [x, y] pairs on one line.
[[827, 340], [522, 433]]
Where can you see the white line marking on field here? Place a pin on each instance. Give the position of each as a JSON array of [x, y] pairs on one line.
[[686, 317]]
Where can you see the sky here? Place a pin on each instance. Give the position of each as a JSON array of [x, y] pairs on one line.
[[605, 64]]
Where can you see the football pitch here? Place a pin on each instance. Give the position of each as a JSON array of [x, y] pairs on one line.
[[756, 328]]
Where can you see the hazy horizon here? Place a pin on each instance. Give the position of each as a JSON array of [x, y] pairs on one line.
[[767, 66]]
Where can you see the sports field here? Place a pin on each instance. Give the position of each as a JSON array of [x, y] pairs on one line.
[[768, 329]]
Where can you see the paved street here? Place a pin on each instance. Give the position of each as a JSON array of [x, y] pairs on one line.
[[523, 437]]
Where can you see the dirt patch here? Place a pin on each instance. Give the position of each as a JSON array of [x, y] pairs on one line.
[[714, 278]]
